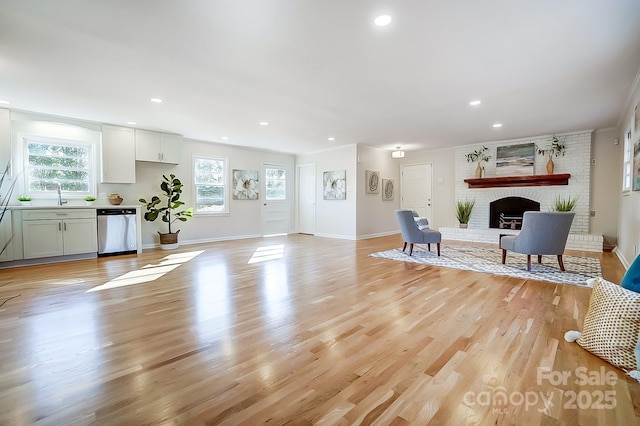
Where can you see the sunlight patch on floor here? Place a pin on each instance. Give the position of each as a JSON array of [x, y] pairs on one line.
[[149, 272], [262, 254]]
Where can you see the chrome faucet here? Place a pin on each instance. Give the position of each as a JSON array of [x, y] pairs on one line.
[[60, 200]]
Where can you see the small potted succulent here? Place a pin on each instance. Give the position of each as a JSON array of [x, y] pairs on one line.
[[89, 199], [24, 200]]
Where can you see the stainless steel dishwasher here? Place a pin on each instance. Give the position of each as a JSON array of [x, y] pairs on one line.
[[117, 232]]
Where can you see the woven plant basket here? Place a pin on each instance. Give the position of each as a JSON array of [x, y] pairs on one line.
[[171, 238]]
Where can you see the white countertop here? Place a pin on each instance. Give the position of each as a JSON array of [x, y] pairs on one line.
[[76, 206]]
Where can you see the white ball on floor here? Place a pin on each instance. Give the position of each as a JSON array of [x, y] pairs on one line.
[[572, 335]]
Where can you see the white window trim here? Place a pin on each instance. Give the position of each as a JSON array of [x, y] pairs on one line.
[[226, 186], [93, 169]]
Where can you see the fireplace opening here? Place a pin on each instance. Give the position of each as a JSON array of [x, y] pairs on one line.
[[506, 213]]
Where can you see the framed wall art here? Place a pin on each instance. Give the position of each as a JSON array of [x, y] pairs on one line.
[[245, 185], [513, 160], [372, 182], [387, 189], [636, 165], [334, 184]]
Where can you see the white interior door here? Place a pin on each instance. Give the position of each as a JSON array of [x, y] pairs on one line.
[[276, 204], [416, 189], [306, 199]]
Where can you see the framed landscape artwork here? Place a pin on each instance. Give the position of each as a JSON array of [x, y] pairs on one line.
[[372, 182], [636, 165], [334, 185], [387, 189], [635, 172], [513, 160]]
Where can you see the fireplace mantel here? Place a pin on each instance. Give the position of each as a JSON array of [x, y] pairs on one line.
[[508, 181]]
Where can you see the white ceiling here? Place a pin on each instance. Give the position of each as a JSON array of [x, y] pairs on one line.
[[315, 69]]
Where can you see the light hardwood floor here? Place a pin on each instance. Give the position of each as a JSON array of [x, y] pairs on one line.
[[311, 331]]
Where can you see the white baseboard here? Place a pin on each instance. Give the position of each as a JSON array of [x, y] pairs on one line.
[[623, 260], [379, 234], [337, 236], [206, 240]]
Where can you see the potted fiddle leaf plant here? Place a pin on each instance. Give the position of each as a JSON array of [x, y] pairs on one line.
[[169, 211]]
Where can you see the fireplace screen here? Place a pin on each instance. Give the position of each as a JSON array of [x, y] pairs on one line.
[[506, 213]]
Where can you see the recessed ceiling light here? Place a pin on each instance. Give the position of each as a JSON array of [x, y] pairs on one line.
[[382, 20], [224, 138], [497, 125], [331, 139], [3, 102], [156, 100], [264, 123], [475, 103], [133, 123]]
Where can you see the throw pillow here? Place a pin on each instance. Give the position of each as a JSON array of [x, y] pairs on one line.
[[611, 327], [422, 223], [631, 279]]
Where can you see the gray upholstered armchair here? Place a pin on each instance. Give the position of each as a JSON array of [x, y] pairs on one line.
[[543, 233], [412, 234]]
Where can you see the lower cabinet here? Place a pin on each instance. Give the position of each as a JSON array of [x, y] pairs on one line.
[[6, 237], [59, 233]]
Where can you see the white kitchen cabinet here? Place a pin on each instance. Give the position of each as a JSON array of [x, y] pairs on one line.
[[157, 147], [5, 237], [5, 138], [171, 147], [118, 151], [59, 232], [42, 238]]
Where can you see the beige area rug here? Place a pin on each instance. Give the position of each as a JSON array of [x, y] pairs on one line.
[[479, 259]]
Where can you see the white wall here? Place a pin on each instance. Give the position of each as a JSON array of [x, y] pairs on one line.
[[606, 178], [245, 216], [443, 183], [576, 161], [335, 218], [376, 217], [629, 218], [23, 124]]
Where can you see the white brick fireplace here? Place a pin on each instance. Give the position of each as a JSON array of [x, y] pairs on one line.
[[576, 161]]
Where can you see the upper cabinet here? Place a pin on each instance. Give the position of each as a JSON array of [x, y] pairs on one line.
[[5, 138], [157, 147], [118, 155]]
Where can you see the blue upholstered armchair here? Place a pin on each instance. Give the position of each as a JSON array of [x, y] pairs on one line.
[[413, 235], [543, 233]]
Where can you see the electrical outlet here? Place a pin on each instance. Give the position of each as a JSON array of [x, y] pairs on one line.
[[592, 213], [593, 161]]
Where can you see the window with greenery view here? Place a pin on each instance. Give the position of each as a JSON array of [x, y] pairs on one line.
[[210, 183], [52, 163], [276, 183]]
